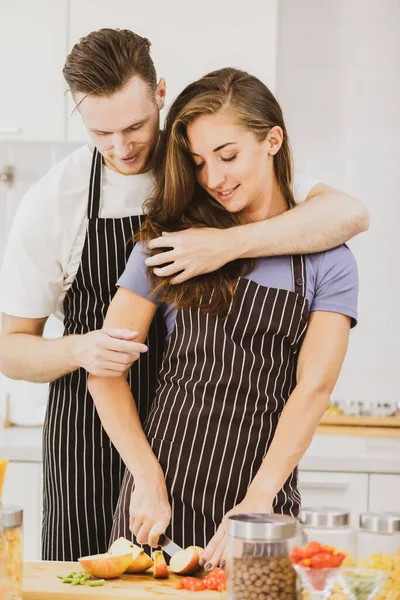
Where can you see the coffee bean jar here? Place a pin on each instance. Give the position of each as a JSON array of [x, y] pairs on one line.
[[258, 563]]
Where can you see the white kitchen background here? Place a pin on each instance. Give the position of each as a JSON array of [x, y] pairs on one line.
[[333, 64]]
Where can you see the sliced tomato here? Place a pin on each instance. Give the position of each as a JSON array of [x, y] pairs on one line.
[[211, 583]]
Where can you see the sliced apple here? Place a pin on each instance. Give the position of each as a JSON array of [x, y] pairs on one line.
[[186, 561], [160, 570], [106, 566], [140, 563]]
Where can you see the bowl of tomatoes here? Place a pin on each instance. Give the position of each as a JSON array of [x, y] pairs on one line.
[[317, 566]]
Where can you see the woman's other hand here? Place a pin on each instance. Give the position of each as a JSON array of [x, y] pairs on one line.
[[150, 511], [254, 502]]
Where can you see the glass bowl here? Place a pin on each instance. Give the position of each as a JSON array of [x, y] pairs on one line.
[[361, 584]]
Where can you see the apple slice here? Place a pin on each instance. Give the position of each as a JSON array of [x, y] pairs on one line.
[[105, 566], [160, 570], [140, 563], [186, 561]]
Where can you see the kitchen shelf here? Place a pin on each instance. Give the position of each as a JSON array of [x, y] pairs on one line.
[[361, 421]]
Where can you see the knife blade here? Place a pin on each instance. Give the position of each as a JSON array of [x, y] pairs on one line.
[[169, 546]]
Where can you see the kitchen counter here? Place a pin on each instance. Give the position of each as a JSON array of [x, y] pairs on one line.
[[326, 452], [41, 583]]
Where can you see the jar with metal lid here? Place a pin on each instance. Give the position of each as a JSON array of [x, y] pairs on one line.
[[258, 563], [12, 520], [378, 532], [378, 548], [329, 526]]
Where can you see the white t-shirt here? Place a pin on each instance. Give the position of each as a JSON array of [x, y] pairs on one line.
[[47, 236]]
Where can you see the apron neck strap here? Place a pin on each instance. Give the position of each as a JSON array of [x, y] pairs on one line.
[[93, 209], [299, 274]]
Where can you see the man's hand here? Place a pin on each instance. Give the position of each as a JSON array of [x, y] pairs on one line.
[[150, 511], [106, 352], [214, 553], [193, 252]]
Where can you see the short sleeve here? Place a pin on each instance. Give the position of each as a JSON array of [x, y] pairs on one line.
[[135, 278], [302, 186], [336, 283], [31, 278]]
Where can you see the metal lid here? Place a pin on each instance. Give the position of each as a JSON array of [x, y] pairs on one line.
[[12, 516], [262, 527], [380, 522], [325, 517]]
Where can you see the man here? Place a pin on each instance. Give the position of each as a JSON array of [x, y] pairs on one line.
[[66, 250]]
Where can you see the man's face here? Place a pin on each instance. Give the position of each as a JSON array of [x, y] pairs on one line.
[[124, 126]]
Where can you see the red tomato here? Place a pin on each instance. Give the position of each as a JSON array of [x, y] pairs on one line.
[[184, 582], [211, 583], [327, 549], [221, 586], [323, 560], [196, 585], [337, 559], [296, 554], [305, 562], [311, 549], [220, 574]]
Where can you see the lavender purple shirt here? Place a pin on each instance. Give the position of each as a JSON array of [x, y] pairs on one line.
[[331, 280]]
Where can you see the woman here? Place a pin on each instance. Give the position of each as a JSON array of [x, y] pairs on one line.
[[254, 349]]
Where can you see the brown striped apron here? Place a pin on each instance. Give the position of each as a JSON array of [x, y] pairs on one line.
[[222, 388], [82, 471]]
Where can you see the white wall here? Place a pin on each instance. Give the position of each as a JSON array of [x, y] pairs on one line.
[[338, 81]]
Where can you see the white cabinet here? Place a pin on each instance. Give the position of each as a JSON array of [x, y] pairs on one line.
[[384, 492], [341, 490], [33, 45], [22, 487], [187, 43]]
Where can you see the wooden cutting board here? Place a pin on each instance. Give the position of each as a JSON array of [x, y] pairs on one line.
[[40, 583]]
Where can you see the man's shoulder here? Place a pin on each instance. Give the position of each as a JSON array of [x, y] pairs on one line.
[[66, 183]]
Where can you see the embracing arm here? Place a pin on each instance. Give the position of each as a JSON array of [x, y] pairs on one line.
[[327, 219], [320, 361]]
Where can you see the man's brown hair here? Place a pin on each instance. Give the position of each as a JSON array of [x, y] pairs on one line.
[[102, 62]]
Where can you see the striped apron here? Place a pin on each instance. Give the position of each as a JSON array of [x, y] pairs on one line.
[[82, 471], [222, 388]]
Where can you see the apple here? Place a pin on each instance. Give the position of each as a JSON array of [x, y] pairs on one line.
[[105, 566], [140, 562], [160, 570], [186, 561]]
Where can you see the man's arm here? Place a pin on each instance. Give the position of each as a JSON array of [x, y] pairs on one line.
[[25, 354], [327, 219]]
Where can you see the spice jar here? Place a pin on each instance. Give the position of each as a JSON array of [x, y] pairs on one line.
[[378, 547], [258, 563], [12, 519], [330, 526]]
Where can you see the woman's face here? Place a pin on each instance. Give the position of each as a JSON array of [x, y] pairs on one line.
[[232, 165]]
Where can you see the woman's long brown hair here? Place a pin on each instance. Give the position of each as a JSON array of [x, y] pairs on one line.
[[179, 202]]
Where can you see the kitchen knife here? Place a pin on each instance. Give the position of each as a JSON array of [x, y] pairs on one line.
[[169, 546]]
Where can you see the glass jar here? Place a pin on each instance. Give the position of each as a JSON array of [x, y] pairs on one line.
[[258, 563], [3, 557], [12, 519], [330, 526], [378, 547]]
